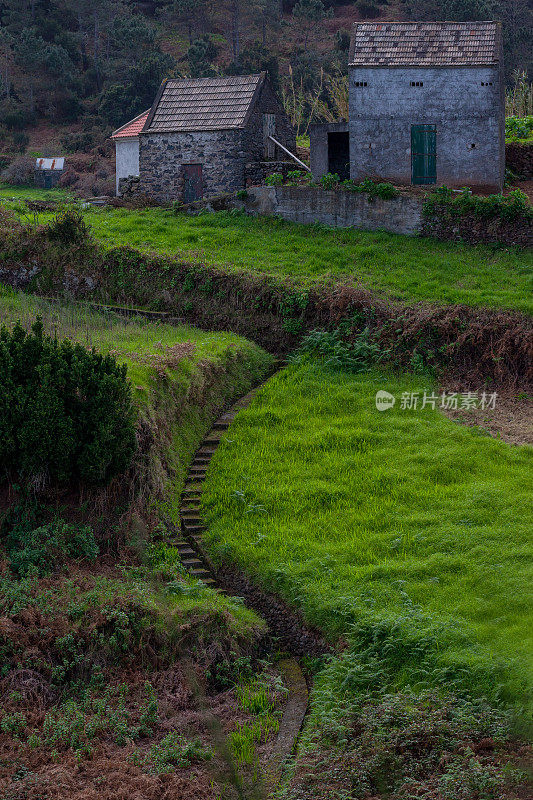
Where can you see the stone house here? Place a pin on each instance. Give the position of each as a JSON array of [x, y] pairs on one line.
[[206, 136], [48, 172], [426, 106], [126, 139]]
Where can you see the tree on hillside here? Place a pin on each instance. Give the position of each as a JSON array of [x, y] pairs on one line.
[[7, 61], [200, 56], [308, 15], [191, 14], [256, 58]]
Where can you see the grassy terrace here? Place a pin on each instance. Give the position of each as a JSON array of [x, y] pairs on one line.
[[166, 364], [140, 343], [403, 267], [401, 529]]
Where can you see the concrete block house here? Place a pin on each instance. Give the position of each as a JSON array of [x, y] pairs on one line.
[[126, 140], [426, 106], [206, 136]]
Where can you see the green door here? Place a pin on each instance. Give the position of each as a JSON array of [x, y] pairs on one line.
[[423, 153]]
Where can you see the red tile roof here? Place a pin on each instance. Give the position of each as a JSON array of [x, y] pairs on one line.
[[132, 128]]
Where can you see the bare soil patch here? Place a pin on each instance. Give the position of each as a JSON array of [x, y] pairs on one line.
[[511, 419]]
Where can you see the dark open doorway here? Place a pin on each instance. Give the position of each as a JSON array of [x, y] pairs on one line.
[[339, 154]]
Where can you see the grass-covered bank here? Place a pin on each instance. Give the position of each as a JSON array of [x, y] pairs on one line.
[[400, 267], [108, 648], [403, 524], [408, 538], [181, 379], [403, 267], [474, 345]]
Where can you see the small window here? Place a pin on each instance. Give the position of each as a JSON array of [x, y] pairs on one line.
[[485, 83], [417, 83], [472, 146], [360, 84]]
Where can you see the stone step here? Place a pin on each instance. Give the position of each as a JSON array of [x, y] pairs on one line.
[[184, 510], [192, 491], [179, 542], [206, 451], [221, 425], [199, 572], [192, 519], [192, 562], [187, 552], [192, 530], [210, 440], [202, 460], [195, 469]]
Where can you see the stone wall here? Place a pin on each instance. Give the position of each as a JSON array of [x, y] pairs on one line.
[[258, 171], [401, 214], [161, 156], [465, 103], [253, 134]]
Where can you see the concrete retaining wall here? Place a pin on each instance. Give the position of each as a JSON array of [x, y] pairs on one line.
[[401, 214]]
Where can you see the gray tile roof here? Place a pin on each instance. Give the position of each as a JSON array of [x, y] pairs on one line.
[[424, 44], [204, 104]]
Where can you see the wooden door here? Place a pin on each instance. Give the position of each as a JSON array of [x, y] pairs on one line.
[[193, 185], [423, 154], [269, 129]]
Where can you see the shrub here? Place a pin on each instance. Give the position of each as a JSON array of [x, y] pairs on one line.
[[173, 751], [519, 128], [335, 350], [78, 142], [21, 172], [515, 205], [43, 549], [20, 141], [329, 180], [68, 227], [66, 414], [384, 190], [276, 179], [367, 10]]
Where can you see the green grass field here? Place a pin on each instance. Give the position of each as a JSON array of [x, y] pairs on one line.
[[402, 267], [402, 531], [32, 193]]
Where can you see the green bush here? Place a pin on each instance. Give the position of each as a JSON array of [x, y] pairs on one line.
[[66, 414], [68, 227], [370, 187], [276, 179], [367, 10], [519, 129], [41, 550], [335, 350], [330, 180], [512, 206]]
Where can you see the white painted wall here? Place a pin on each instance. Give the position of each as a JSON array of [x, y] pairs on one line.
[[127, 151]]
